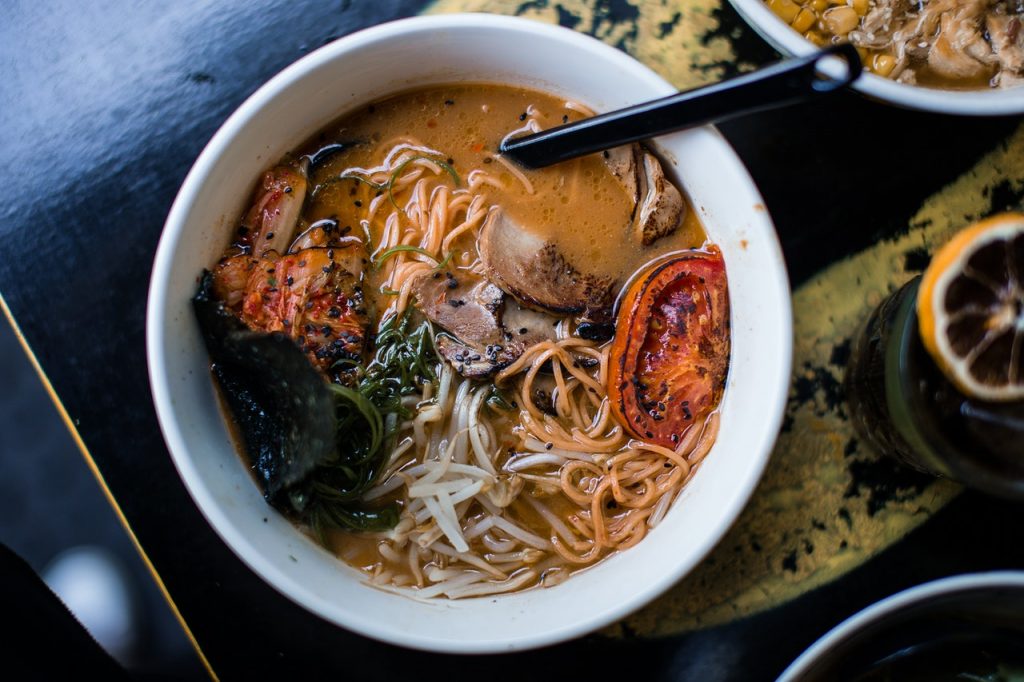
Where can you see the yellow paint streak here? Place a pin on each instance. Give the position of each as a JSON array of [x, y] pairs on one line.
[[674, 47]]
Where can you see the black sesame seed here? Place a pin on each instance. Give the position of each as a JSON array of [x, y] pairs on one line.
[[288, 190], [449, 102], [358, 203], [270, 235], [523, 330], [522, 116]]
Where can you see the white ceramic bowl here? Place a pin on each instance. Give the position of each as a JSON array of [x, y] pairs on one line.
[[976, 598], [354, 71], [967, 102]]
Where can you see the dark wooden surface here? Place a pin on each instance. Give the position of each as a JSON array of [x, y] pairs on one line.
[[104, 107]]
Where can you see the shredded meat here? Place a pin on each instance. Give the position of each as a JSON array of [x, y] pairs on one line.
[[953, 40]]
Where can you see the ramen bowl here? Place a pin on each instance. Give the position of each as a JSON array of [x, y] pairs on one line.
[[965, 627], [362, 68], [984, 102]]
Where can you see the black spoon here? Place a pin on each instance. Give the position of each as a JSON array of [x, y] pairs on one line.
[[786, 82]]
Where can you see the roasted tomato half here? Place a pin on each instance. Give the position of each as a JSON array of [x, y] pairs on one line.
[[671, 349]]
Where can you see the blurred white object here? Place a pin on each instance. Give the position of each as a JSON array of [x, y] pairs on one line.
[[96, 589]]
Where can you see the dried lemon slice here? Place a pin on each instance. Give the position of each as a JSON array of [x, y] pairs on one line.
[[970, 308]]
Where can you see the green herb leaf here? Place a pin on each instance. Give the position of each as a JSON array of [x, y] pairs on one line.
[[394, 250], [368, 416]]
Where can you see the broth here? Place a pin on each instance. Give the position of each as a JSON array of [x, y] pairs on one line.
[[520, 433]]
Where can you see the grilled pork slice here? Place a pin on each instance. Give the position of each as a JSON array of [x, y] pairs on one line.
[[537, 273]]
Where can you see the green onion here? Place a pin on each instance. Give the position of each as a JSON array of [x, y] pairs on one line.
[[447, 259], [497, 400], [368, 416], [394, 250], [364, 181]]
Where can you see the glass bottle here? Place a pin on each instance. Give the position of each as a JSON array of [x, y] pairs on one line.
[[902, 405]]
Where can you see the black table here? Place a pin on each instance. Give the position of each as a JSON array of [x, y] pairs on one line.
[[106, 105]]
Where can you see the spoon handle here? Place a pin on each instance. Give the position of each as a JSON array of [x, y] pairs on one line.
[[782, 83]]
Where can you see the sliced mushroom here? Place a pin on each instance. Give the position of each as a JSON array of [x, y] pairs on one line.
[[484, 330], [538, 274], [658, 207], [527, 326], [468, 308], [464, 304], [621, 161], [661, 207]]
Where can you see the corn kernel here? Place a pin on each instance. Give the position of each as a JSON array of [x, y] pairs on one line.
[[804, 20], [860, 6], [816, 38], [818, 6], [840, 20], [785, 9], [883, 64]]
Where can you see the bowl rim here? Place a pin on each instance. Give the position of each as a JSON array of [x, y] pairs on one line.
[[990, 102], [892, 604], [177, 223]]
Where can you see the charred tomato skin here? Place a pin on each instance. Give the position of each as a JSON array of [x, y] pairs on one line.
[[670, 355]]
